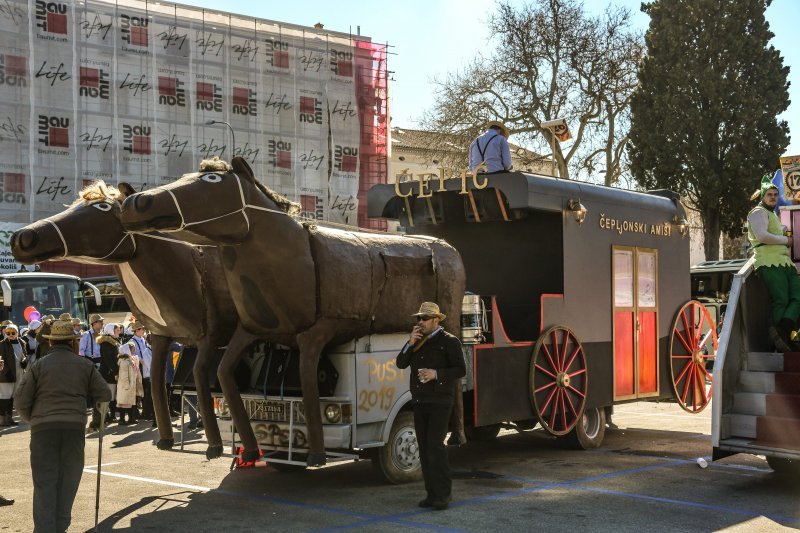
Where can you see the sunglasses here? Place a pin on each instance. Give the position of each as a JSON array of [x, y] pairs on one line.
[[424, 318], [10, 333]]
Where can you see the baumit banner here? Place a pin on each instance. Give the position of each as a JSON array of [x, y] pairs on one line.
[[128, 91]]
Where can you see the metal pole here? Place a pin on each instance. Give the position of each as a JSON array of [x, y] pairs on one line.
[[103, 408], [211, 122], [553, 143]]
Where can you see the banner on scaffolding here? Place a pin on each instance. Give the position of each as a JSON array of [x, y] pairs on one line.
[[141, 91]]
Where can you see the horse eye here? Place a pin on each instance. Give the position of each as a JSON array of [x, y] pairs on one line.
[[102, 206], [211, 178]]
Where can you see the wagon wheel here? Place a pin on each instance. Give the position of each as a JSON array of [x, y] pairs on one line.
[[690, 350], [558, 380]]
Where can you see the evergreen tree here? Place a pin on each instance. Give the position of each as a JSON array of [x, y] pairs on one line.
[[704, 118]]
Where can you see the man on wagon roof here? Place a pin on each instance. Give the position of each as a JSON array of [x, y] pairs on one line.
[[492, 149]]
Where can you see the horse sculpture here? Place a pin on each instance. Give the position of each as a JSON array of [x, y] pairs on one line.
[[296, 283], [175, 289]]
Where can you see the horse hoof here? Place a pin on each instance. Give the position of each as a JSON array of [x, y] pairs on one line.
[[212, 452], [249, 456], [165, 444], [316, 459]]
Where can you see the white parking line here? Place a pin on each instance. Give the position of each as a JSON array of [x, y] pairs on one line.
[[149, 480]]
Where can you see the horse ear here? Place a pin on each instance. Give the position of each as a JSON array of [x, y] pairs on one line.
[[126, 189], [241, 167]]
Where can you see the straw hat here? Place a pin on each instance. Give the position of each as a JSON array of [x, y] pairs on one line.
[[503, 129], [429, 309], [136, 325], [95, 318], [62, 329]]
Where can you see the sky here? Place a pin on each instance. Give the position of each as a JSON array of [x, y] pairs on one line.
[[429, 38]]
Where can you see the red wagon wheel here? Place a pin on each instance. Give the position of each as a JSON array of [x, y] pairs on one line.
[[558, 380], [692, 344]]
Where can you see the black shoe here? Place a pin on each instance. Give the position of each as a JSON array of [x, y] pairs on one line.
[[123, 422], [192, 425], [425, 503], [199, 423], [440, 505], [777, 339], [5, 501], [155, 424]]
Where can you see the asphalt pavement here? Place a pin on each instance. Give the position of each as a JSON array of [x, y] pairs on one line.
[[645, 477]]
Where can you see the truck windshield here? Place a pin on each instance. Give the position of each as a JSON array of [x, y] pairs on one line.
[[50, 296]]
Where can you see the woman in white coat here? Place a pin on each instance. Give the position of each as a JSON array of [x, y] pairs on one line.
[[129, 383]]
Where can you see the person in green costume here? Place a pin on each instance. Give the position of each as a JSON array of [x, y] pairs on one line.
[[773, 263]]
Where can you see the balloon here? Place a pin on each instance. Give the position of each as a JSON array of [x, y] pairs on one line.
[[35, 315], [27, 312]]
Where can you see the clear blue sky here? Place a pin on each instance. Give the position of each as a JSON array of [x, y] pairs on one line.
[[433, 37]]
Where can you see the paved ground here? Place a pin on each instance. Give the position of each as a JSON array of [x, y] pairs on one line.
[[644, 478]]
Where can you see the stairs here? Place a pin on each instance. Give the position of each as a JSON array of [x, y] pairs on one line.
[[766, 407]]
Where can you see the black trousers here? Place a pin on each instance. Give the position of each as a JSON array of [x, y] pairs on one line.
[[430, 422], [57, 465]]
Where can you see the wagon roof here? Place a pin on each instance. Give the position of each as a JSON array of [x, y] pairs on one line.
[[531, 191]]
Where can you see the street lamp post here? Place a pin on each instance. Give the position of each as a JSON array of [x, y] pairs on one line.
[[212, 122]]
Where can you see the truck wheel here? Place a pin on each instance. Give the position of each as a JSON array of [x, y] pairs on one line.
[[787, 468], [482, 433], [589, 431], [398, 459]]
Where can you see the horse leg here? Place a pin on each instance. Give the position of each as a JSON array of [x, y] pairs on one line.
[[205, 405], [233, 353], [158, 390], [311, 343], [456, 424]]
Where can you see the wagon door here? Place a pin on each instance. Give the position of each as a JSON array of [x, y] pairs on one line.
[[635, 287]]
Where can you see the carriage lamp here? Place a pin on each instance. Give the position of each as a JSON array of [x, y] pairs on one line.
[[681, 223], [579, 210], [333, 413]]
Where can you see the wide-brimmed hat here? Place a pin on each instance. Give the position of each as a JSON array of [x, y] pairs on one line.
[[48, 318], [497, 124], [62, 329], [430, 309], [95, 318], [136, 325]]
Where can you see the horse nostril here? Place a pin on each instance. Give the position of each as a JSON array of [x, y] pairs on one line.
[[142, 202], [26, 239]]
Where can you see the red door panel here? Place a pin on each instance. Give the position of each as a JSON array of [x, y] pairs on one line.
[[623, 354], [648, 354]]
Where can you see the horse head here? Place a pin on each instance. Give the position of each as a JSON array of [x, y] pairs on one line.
[[89, 230], [212, 203]]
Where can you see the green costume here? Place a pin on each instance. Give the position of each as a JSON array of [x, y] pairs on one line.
[[775, 267]]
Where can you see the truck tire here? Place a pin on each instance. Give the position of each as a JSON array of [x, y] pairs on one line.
[[398, 459], [482, 433], [588, 433], [786, 468]]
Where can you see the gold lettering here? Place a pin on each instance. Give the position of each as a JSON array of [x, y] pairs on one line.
[[398, 180], [441, 178], [423, 186], [463, 182], [485, 184]]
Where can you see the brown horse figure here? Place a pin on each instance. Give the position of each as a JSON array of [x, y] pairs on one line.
[[174, 288], [297, 283]]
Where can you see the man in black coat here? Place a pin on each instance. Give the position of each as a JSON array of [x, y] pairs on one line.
[[436, 361]]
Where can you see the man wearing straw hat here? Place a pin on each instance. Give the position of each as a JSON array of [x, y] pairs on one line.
[[492, 149], [52, 397], [436, 362]]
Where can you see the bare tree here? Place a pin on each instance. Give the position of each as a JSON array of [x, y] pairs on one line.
[[550, 60]]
